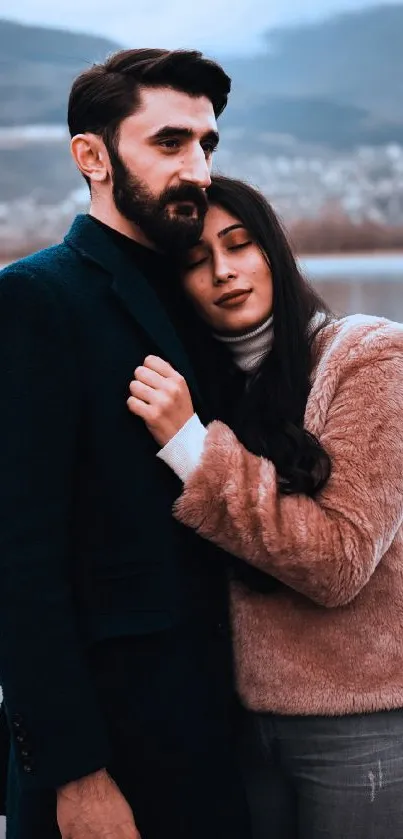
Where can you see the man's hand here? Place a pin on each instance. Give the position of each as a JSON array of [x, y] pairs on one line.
[[94, 808], [160, 396]]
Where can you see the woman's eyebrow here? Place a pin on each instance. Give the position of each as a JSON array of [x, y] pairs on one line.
[[226, 230], [220, 234]]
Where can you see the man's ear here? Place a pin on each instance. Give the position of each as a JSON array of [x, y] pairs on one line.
[[91, 156]]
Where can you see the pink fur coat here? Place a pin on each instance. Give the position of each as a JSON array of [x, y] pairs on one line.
[[329, 638]]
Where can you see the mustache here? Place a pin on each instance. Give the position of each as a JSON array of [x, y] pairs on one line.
[[185, 192]]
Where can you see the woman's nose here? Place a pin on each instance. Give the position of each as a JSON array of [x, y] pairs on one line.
[[223, 271], [223, 275]]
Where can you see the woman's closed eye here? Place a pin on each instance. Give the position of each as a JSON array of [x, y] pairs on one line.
[[238, 246], [200, 259], [197, 262], [196, 258], [234, 241]]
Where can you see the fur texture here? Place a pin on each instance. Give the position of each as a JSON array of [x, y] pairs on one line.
[[329, 638]]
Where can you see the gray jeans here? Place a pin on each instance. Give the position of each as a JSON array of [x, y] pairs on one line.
[[324, 777]]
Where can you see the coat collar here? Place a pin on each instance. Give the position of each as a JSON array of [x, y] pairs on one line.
[[133, 291]]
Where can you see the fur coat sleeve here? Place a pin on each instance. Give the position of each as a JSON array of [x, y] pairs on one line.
[[327, 548]]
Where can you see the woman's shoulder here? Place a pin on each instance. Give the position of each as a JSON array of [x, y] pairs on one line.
[[358, 340], [352, 356]]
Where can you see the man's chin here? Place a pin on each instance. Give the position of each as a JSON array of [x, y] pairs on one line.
[[175, 232], [183, 211], [184, 232]]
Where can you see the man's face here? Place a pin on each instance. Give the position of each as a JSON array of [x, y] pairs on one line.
[[163, 166]]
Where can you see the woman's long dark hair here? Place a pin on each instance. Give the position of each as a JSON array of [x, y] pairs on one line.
[[270, 411]]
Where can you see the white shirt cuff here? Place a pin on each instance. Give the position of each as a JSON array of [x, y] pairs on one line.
[[183, 451]]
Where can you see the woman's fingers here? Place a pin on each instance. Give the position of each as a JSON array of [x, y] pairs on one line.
[[154, 362], [142, 391], [149, 377], [138, 407], [160, 396]]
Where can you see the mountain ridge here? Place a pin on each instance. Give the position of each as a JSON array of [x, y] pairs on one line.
[[335, 84]]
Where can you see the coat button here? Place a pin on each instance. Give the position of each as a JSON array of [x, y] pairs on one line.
[[27, 767]]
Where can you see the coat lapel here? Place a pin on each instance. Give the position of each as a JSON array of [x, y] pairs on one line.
[[142, 303], [134, 293]]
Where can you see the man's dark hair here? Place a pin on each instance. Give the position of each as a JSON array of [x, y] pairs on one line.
[[105, 94]]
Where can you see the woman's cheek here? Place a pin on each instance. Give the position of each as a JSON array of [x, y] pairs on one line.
[[203, 291]]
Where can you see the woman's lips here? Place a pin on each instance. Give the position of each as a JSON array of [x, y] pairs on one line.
[[232, 299]]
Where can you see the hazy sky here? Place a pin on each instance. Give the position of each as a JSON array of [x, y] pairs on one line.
[[224, 26]]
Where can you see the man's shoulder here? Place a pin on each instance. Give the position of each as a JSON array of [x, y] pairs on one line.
[[43, 261], [41, 272]]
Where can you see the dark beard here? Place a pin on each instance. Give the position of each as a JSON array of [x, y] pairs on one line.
[[170, 233]]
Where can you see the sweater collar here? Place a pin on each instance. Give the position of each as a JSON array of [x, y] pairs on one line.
[[249, 350]]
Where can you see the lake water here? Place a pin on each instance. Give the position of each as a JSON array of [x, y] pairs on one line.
[[369, 284], [356, 265]]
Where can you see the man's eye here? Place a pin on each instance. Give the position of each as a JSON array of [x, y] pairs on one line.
[[209, 149], [170, 144]]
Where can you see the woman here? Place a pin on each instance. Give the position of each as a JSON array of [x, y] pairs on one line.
[[305, 485]]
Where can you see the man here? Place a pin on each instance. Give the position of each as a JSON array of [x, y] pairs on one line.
[[114, 642]]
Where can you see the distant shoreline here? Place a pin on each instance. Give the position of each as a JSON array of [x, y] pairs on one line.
[[6, 259], [349, 254], [342, 267]]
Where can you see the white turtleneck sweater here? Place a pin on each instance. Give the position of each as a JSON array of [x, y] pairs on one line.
[[183, 452]]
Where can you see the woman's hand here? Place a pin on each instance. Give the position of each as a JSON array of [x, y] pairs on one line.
[[160, 396]]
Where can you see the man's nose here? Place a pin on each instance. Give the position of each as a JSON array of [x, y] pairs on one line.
[[196, 170]]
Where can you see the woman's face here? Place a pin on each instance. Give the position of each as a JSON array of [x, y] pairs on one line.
[[226, 276]]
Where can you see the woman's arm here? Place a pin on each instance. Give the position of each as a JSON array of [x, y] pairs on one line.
[[183, 452], [327, 548]]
